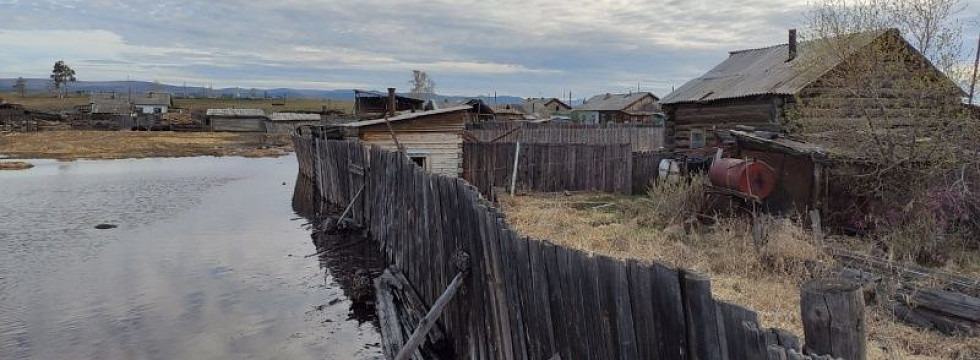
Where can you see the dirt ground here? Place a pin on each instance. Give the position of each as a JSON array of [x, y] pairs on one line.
[[70, 145], [766, 279]]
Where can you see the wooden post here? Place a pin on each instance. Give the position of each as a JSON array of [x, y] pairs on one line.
[[816, 226], [833, 319], [513, 176], [430, 318]]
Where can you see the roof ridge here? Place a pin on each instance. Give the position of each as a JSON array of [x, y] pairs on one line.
[[755, 49]]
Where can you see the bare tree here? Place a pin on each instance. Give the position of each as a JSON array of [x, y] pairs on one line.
[[423, 87], [893, 104], [21, 86], [61, 76]]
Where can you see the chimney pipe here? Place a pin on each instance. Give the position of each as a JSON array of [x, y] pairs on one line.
[[391, 102], [792, 45]]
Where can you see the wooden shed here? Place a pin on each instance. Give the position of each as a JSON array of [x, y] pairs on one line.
[[236, 120], [288, 122], [370, 104], [760, 87], [433, 139]]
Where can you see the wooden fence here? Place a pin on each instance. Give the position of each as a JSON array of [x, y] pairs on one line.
[[640, 137], [549, 167], [522, 298]]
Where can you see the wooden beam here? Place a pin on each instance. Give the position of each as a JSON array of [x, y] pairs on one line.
[[418, 336]]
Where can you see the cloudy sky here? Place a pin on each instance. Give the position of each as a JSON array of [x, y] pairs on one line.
[[524, 47]]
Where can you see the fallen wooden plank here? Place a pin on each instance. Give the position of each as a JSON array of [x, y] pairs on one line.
[[430, 318]]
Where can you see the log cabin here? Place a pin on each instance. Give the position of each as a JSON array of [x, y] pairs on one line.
[[761, 88], [433, 139]]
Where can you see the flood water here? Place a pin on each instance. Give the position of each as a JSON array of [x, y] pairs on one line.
[[208, 262]]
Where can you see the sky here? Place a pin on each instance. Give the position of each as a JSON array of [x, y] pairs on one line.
[[523, 48]]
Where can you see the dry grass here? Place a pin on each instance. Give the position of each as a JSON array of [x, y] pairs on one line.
[[766, 278], [15, 165], [128, 144], [50, 102]]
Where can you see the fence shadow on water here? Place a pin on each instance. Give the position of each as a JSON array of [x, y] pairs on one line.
[[525, 298], [348, 257]]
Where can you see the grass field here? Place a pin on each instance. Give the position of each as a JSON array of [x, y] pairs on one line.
[[49, 102], [130, 144]]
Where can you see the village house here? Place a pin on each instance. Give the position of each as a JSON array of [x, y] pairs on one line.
[[373, 104], [288, 122], [236, 120], [127, 104], [759, 88], [433, 139], [152, 103], [110, 103], [639, 107], [545, 108]]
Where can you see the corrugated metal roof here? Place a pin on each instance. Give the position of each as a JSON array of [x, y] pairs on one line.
[[763, 71], [236, 112], [407, 116], [612, 102], [294, 117]]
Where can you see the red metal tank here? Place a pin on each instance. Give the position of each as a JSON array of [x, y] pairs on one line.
[[750, 177]]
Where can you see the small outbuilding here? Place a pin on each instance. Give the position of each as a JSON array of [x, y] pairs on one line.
[[373, 104], [236, 120], [288, 122], [433, 139]]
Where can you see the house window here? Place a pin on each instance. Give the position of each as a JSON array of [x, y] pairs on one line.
[[419, 160], [157, 110], [697, 138]]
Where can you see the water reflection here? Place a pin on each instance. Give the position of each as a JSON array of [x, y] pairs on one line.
[[348, 256], [208, 261]]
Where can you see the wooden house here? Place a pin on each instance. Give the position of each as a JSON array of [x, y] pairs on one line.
[[373, 104], [761, 87], [544, 108], [433, 138], [152, 103], [639, 107], [236, 120], [288, 122]]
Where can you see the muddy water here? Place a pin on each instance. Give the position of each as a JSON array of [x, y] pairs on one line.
[[208, 262]]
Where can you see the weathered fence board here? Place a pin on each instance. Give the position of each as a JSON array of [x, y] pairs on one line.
[[549, 167], [640, 137]]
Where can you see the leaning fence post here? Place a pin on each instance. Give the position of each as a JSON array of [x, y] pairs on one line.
[[833, 318], [513, 176]]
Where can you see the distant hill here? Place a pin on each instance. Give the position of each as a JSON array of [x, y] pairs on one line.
[[35, 85]]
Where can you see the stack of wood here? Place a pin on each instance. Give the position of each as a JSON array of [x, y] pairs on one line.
[[948, 303]]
